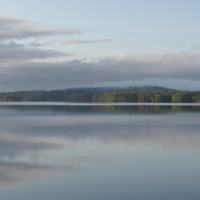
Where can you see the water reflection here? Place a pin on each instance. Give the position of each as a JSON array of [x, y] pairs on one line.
[[153, 109], [38, 141]]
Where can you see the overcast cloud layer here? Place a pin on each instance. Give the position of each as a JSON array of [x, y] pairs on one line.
[[76, 73], [24, 65]]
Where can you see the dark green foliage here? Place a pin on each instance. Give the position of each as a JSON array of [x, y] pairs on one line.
[[78, 97], [10, 98], [157, 97], [21, 94], [123, 96], [32, 97], [58, 95]]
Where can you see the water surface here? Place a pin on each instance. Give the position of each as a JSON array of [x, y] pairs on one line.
[[55, 151]]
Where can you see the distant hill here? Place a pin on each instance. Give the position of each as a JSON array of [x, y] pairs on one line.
[[118, 89], [91, 89], [75, 94], [149, 88]]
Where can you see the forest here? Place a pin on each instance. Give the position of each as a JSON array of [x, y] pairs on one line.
[[10, 98], [152, 96], [124, 96]]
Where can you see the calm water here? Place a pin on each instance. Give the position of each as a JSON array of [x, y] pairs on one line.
[[57, 151]]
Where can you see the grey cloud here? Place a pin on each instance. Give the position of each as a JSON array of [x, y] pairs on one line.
[[38, 44], [83, 159], [10, 45], [77, 73], [78, 41], [14, 52], [12, 28], [196, 47]]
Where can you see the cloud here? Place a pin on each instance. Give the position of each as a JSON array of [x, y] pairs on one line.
[[12, 28], [56, 75], [196, 47], [14, 53], [37, 43], [87, 41], [11, 44]]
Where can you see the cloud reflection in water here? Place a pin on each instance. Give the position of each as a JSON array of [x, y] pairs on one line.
[[31, 146]]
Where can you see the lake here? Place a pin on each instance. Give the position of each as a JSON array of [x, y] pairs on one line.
[[117, 151]]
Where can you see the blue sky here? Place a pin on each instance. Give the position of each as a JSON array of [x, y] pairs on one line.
[[113, 43]]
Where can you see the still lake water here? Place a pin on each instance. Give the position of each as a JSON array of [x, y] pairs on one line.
[[54, 151]]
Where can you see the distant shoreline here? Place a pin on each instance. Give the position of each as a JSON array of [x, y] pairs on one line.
[[24, 103], [104, 97]]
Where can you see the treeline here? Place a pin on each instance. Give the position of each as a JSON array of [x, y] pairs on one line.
[[126, 96], [152, 97], [75, 94], [10, 98], [59, 95]]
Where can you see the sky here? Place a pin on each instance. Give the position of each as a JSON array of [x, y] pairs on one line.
[[58, 44]]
